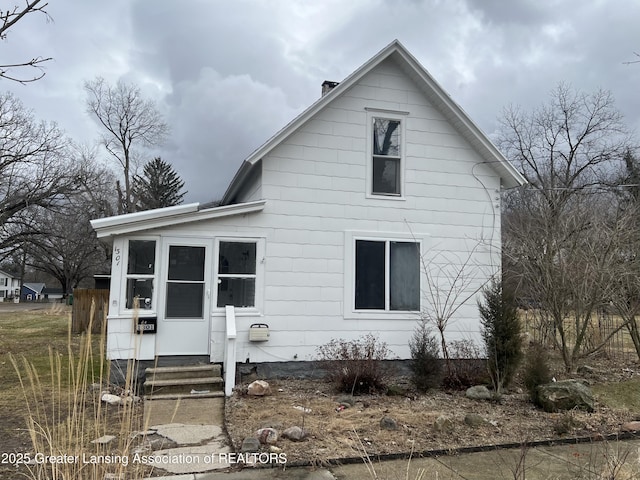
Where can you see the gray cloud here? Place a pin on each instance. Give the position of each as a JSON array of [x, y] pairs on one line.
[[228, 75]]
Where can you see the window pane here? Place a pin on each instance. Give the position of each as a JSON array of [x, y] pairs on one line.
[[237, 258], [404, 276], [142, 289], [142, 256], [386, 137], [386, 176], [239, 292], [186, 263], [185, 300], [370, 275]]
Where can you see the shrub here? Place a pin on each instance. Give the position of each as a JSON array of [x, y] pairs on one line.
[[426, 365], [536, 371], [468, 367], [501, 333], [355, 366]]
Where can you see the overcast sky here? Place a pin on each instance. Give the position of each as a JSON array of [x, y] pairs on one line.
[[228, 74]]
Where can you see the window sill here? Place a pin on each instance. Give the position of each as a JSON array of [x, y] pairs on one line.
[[381, 315], [240, 312], [386, 197]]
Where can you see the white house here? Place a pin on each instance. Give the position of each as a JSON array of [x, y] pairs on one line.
[[9, 286], [343, 223]]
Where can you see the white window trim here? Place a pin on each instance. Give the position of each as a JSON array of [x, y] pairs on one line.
[[258, 307], [125, 276], [387, 115], [350, 311]]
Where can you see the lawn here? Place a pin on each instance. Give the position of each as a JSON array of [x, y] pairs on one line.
[[31, 335]]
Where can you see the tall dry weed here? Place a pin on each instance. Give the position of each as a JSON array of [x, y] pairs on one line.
[[65, 415]]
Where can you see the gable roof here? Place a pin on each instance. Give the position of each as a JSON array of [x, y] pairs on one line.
[[34, 287], [8, 275], [433, 91]]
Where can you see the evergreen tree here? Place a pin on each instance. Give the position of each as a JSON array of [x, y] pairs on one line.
[[501, 334], [159, 186]]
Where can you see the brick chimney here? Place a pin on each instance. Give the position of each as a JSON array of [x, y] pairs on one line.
[[327, 86]]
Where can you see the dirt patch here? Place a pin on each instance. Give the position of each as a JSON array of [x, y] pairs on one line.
[[336, 432]]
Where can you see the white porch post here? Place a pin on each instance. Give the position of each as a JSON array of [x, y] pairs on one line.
[[230, 351]]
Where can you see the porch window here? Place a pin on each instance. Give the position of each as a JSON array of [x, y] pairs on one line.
[[140, 273], [185, 282], [237, 274], [387, 275]]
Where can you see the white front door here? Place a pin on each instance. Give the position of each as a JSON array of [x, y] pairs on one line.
[[185, 296]]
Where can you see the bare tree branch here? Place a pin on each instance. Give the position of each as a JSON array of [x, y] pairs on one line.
[[8, 19]]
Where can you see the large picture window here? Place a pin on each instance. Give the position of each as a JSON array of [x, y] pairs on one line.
[[387, 275], [386, 157], [140, 273], [237, 274]]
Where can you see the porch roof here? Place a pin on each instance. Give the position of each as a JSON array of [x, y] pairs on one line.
[[163, 217]]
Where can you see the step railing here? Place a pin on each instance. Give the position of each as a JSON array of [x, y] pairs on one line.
[[230, 350]]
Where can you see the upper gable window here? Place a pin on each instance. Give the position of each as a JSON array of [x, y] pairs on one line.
[[386, 157], [385, 176]]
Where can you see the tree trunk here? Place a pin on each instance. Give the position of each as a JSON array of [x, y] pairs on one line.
[[634, 332]]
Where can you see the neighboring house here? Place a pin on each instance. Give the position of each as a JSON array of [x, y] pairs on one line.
[[52, 294], [32, 292], [326, 231], [9, 286]]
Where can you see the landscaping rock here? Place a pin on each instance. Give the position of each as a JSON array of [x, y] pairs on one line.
[[474, 420], [105, 439], [565, 395], [267, 436], [479, 392], [346, 400], [295, 434], [111, 399], [250, 445], [388, 423], [630, 426], [259, 388], [442, 424]]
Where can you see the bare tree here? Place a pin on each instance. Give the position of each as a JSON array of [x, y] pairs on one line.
[[128, 121], [560, 230], [452, 281], [626, 297], [35, 172], [8, 18], [65, 245]]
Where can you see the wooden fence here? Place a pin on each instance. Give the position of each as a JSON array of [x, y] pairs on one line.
[[603, 325], [83, 298]]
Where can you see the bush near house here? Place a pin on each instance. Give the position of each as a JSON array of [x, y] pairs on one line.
[[426, 365], [355, 366], [501, 332]]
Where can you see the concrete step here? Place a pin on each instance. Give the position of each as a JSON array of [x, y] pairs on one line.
[[184, 396], [180, 381], [183, 386], [183, 371]]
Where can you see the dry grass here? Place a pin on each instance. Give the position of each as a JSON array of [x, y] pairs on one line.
[[61, 393], [331, 432]]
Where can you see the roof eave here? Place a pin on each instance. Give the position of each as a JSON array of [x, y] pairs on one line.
[[114, 228]]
